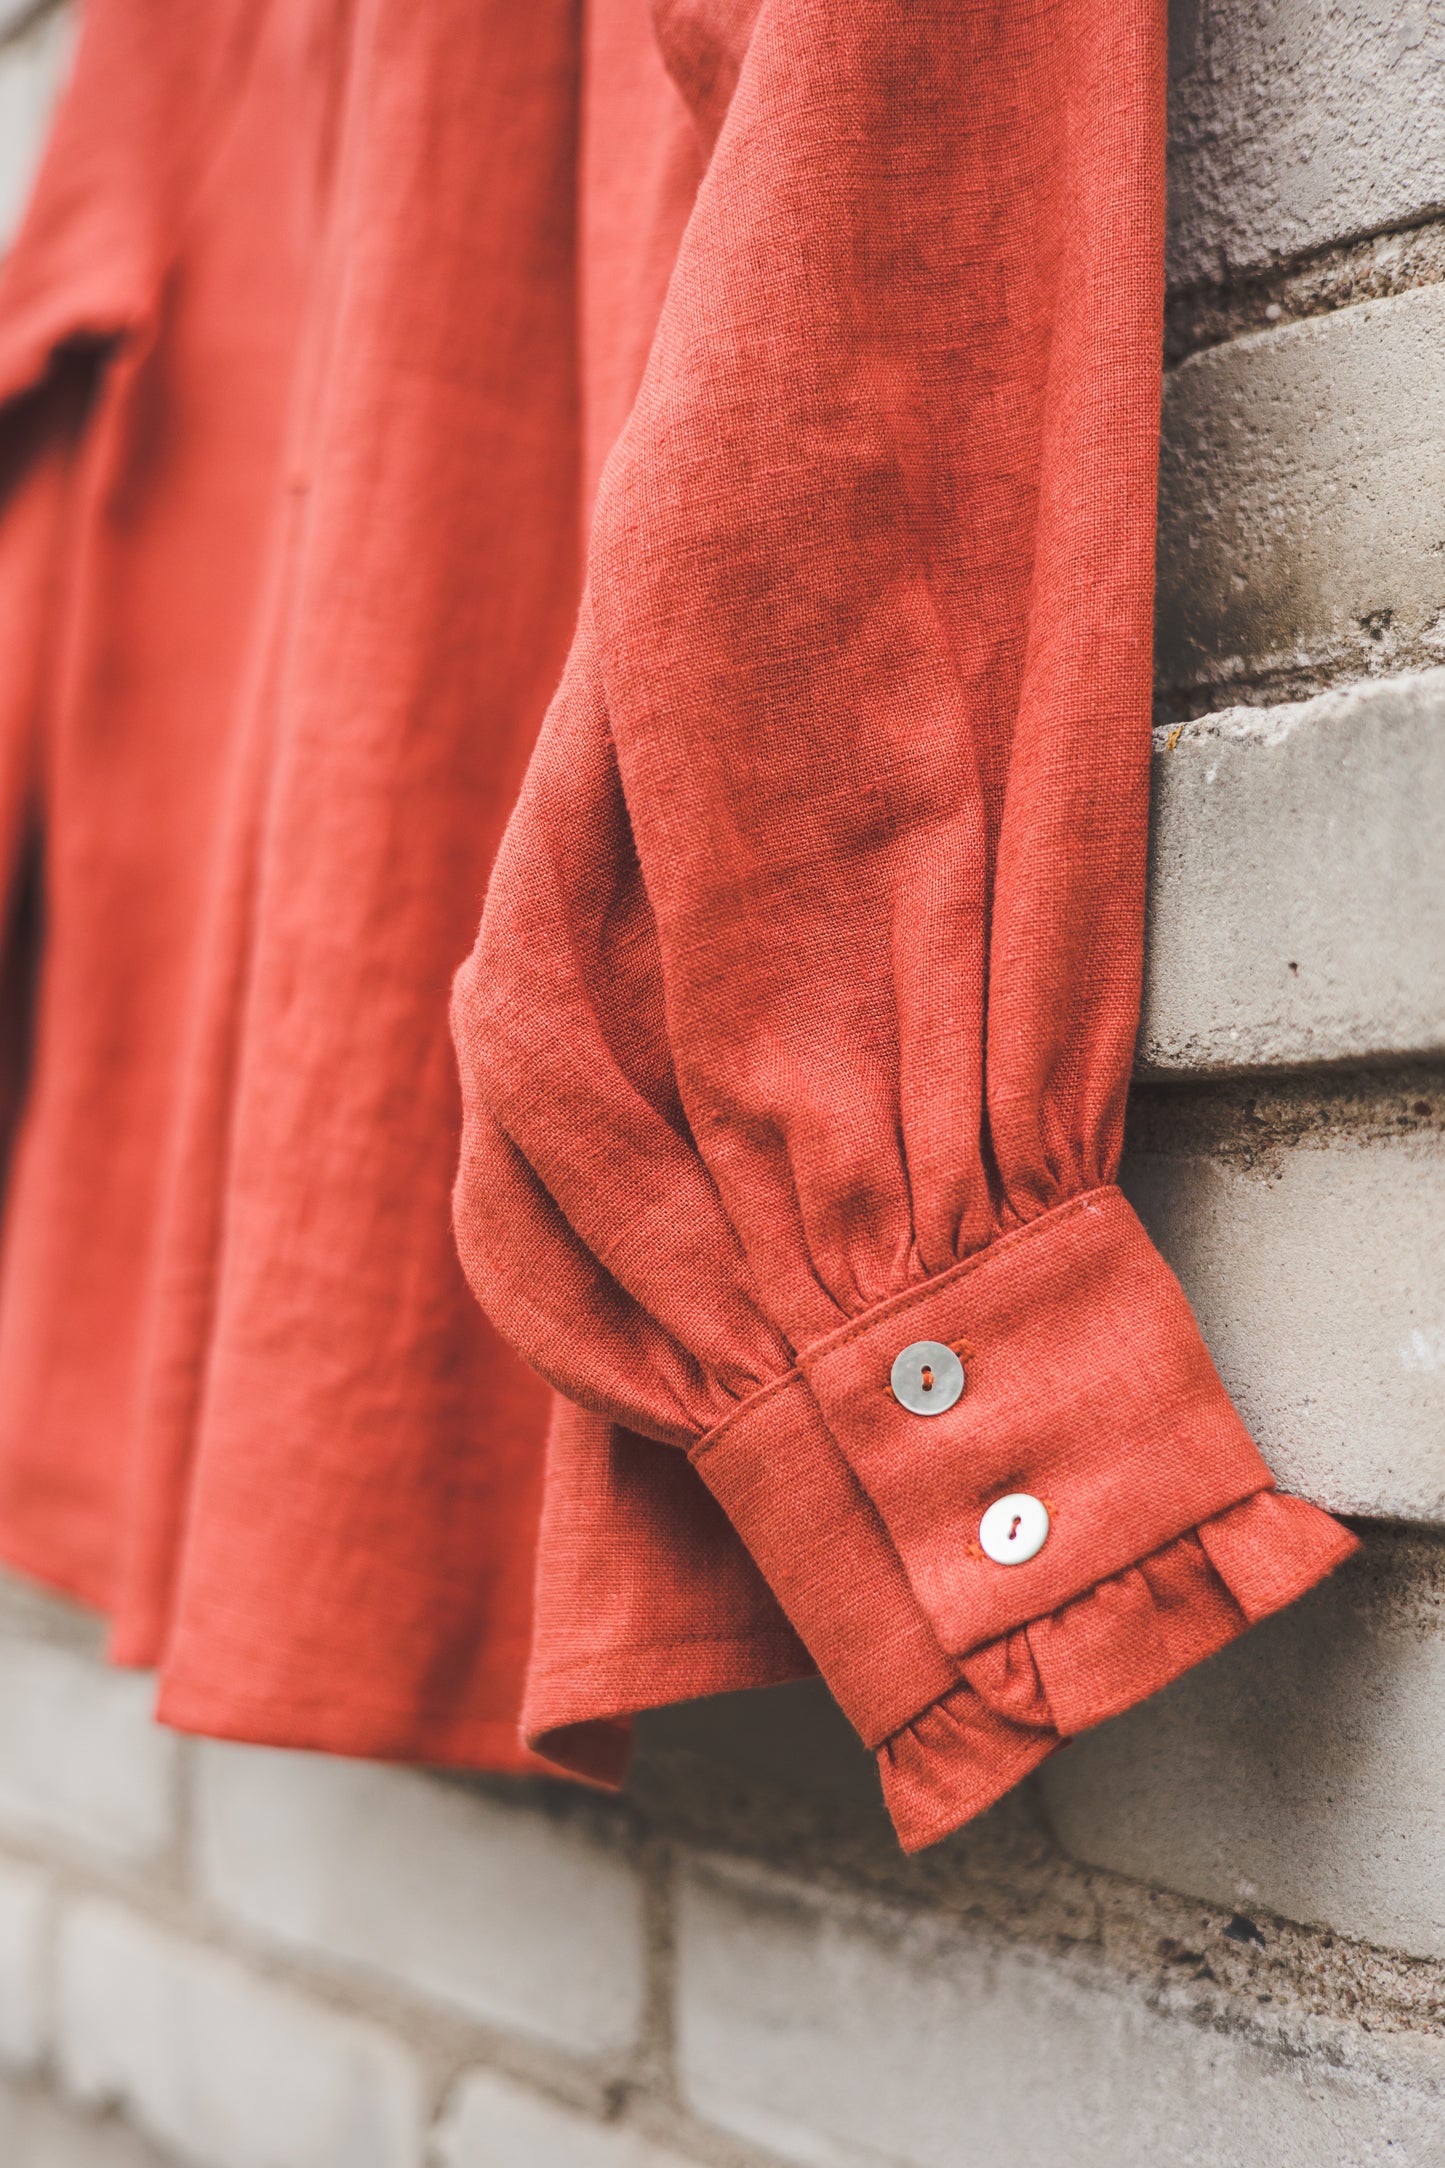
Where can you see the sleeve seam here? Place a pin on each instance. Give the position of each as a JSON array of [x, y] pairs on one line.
[[896, 1306]]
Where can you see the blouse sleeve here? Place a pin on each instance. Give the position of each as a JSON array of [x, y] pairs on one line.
[[797, 1036]]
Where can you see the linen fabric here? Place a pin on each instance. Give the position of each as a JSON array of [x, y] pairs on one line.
[[801, 1016], [800, 1021], [288, 338]]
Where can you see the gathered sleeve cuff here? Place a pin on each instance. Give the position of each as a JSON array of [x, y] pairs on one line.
[[1090, 1411]]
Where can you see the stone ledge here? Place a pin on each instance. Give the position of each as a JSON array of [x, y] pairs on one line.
[[1318, 1279], [831, 2032], [83, 1767], [1336, 276], [221, 2067], [493, 2123], [1297, 884], [1297, 1772], [500, 1914], [1292, 124], [1300, 477]]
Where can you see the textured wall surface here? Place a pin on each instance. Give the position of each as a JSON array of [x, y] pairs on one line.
[[1301, 530], [35, 42], [1211, 1934], [1297, 123], [310, 1964], [1296, 917]]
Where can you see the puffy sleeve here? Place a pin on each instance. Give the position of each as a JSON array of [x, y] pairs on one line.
[[797, 1035]]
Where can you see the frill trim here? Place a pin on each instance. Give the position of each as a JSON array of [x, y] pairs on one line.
[[1022, 1697]]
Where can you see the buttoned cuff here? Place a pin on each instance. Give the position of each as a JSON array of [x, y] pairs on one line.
[[1089, 1394]]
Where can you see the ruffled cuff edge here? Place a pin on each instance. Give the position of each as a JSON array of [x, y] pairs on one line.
[[1024, 1695]]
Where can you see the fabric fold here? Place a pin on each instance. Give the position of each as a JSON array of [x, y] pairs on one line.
[[1021, 1698], [799, 1027], [1086, 1387], [298, 578]]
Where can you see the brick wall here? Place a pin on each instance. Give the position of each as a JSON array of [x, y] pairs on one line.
[[1211, 1933], [238, 1959]]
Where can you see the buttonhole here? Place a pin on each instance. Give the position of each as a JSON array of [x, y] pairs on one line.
[[927, 1379], [1018, 1517]]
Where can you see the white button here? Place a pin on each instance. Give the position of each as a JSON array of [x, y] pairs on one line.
[[1014, 1528], [926, 1378]]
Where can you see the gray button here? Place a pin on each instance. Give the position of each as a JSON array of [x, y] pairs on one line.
[[927, 1378]]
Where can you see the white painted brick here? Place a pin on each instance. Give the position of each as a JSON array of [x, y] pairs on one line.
[[1298, 1771], [1301, 478], [32, 67], [25, 1906], [1296, 892], [492, 2123], [224, 2069], [512, 1916], [80, 1759], [846, 2037], [1318, 1278], [37, 2131], [1293, 124]]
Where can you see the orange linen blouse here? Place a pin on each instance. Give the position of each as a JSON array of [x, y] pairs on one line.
[[795, 1045], [796, 1038]]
